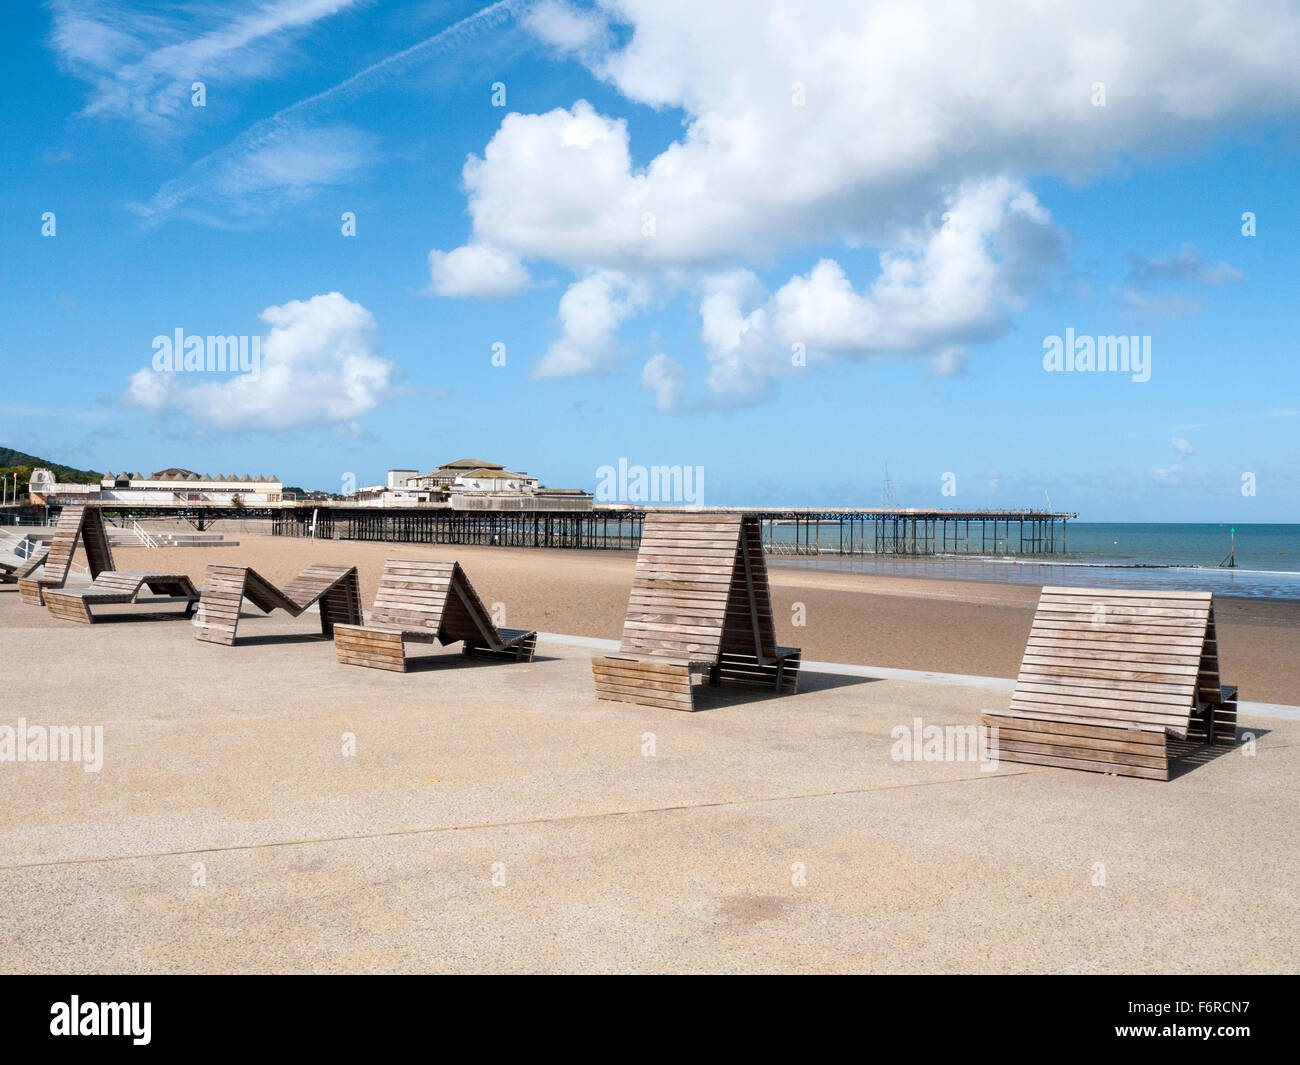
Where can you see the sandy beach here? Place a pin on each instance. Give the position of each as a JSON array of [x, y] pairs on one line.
[[951, 626]]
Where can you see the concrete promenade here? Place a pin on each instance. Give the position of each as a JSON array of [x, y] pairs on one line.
[[497, 817]]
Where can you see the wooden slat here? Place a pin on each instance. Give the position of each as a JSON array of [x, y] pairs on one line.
[[1123, 751], [628, 679], [376, 650], [1142, 594]]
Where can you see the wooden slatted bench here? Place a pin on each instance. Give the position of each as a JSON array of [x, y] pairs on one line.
[[420, 601], [336, 588], [118, 586], [13, 565], [82, 525], [16, 569], [700, 606], [1111, 676]]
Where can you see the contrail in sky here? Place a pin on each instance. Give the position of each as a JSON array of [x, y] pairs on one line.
[[265, 131]]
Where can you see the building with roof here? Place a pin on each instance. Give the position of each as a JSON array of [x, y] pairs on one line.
[[464, 475], [493, 479], [170, 487], [464, 480]]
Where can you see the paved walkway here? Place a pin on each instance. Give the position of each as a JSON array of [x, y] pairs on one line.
[[495, 816]]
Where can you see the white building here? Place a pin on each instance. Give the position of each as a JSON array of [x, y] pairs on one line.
[[470, 484], [493, 479], [170, 487], [381, 495], [476, 475]]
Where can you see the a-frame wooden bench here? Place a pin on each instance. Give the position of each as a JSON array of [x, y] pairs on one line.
[[79, 524], [1113, 679], [700, 605], [118, 586], [419, 601], [336, 588]]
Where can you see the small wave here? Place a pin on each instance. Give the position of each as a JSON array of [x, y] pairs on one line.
[[1077, 563], [1253, 584]]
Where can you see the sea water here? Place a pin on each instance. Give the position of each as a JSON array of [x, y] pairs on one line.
[[1166, 555]]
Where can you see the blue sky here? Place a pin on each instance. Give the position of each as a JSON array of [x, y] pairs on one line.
[[672, 202]]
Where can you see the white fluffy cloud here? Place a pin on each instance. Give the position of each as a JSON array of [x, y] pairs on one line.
[[477, 270], [566, 28], [953, 285], [591, 310], [318, 366], [559, 186], [895, 110], [814, 123]]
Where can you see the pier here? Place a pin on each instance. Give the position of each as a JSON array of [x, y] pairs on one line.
[[835, 531], [892, 531]]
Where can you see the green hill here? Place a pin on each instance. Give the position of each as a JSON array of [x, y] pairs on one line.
[[18, 460]]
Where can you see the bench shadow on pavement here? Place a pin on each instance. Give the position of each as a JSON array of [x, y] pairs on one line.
[[723, 695], [1188, 755], [454, 659]]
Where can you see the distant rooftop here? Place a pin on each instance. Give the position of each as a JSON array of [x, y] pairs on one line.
[[471, 464], [175, 473], [497, 472]]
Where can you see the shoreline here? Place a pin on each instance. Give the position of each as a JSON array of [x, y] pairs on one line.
[[1019, 560], [1235, 583]]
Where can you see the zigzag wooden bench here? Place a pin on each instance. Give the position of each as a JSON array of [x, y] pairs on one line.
[[80, 524], [118, 586], [335, 588], [420, 601], [1117, 681], [700, 606]]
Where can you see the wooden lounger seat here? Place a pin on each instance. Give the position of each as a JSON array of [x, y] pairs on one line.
[[10, 559], [700, 607], [118, 586], [1117, 681], [79, 524], [335, 588], [419, 601], [14, 568], [84, 525]]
